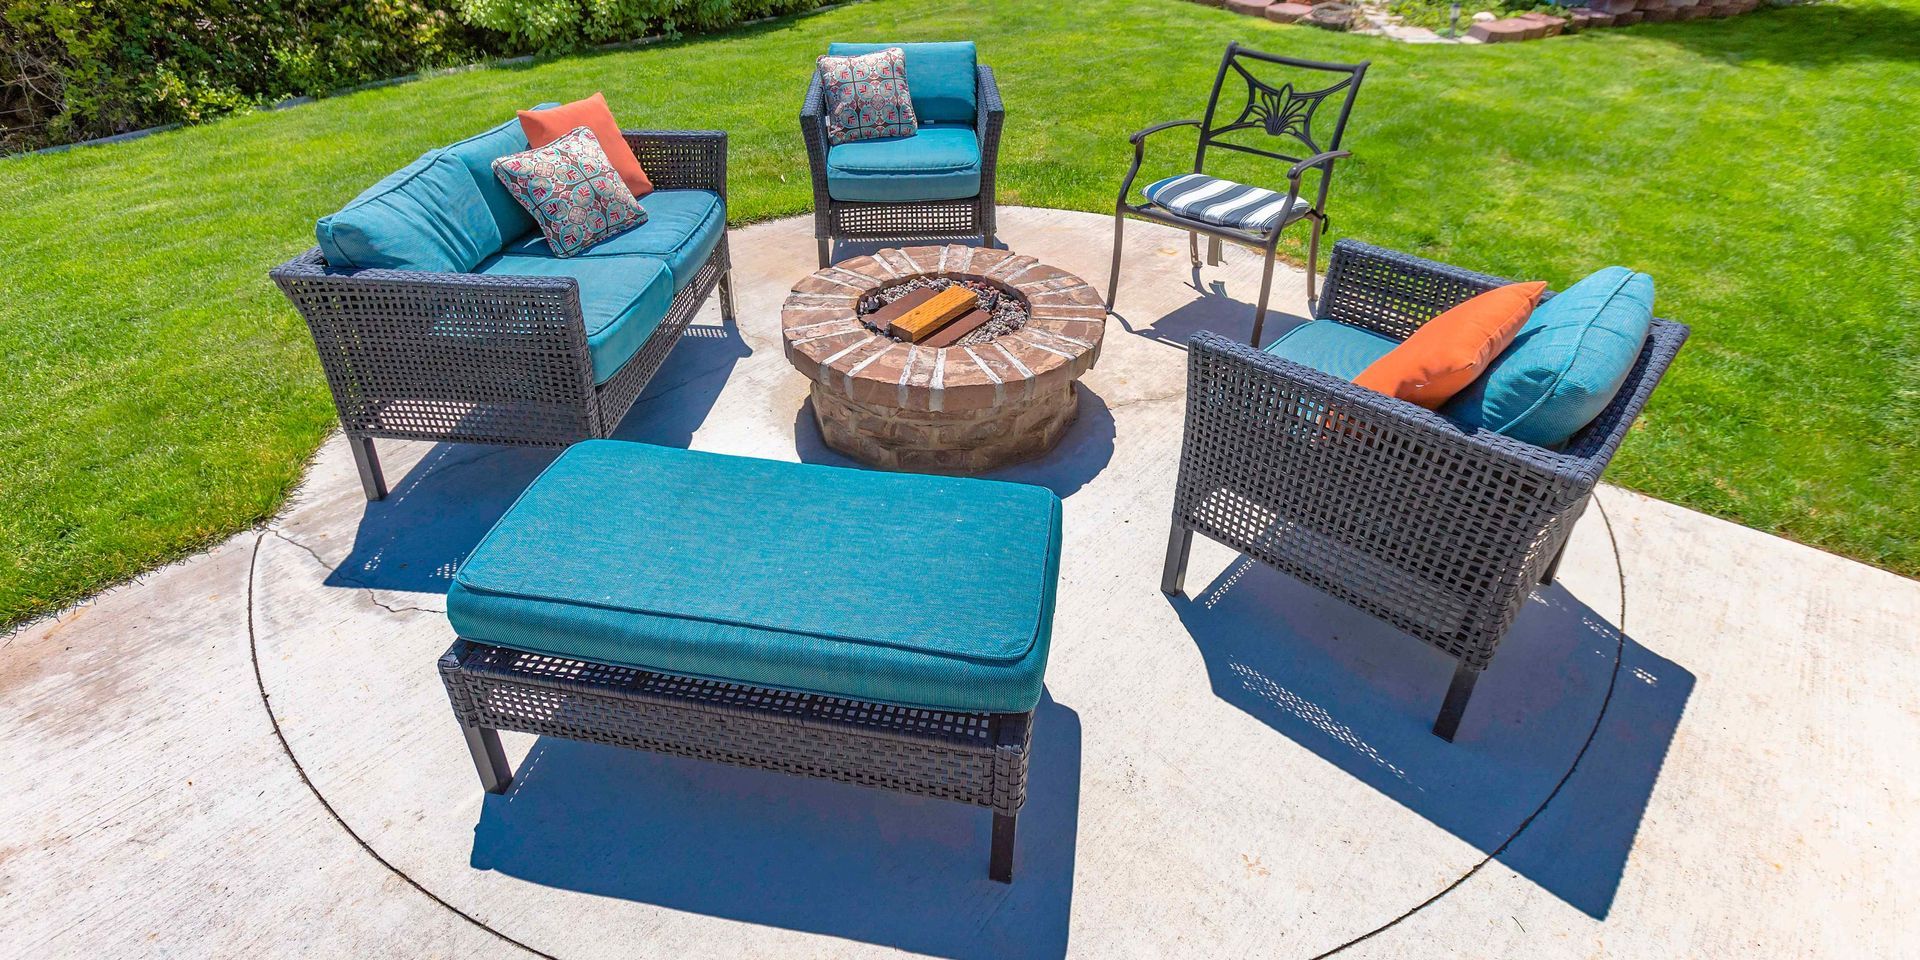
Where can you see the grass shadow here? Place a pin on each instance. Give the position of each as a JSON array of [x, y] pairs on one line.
[[1804, 35], [810, 855], [1362, 696]]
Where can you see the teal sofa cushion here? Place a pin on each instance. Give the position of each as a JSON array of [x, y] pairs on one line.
[[1332, 348], [428, 215], [941, 77], [941, 162], [900, 588], [682, 228], [622, 299], [1565, 365], [478, 153]]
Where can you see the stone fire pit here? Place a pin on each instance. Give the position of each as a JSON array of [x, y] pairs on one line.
[[959, 409]]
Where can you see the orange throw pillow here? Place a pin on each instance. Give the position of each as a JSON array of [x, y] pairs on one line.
[[545, 126], [1443, 356]]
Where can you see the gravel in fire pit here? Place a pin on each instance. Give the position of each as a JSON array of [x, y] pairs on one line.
[[1009, 314]]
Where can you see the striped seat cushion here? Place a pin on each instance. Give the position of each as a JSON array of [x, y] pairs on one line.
[[1200, 197]]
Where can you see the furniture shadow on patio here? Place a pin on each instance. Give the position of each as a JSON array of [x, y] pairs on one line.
[[417, 537], [1360, 695], [1082, 454], [1216, 310], [809, 855]]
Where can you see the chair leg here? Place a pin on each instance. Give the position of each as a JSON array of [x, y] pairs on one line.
[[1213, 251], [1173, 577], [372, 481], [1553, 566], [1313, 266], [826, 250], [989, 241], [1001, 866], [488, 759], [1113, 275], [1451, 709], [1193, 246], [726, 296], [1260, 308]]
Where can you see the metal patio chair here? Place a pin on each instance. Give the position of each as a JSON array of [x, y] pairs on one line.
[[1225, 210]]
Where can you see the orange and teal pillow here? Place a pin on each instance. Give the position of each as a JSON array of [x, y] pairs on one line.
[[1568, 361], [544, 125], [572, 190], [1445, 355]]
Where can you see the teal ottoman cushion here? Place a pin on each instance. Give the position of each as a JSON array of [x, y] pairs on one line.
[[941, 162], [428, 215], [1565, 365], [1332, 348], [899, 588], [941, 77], [682, 228], [622, 299]]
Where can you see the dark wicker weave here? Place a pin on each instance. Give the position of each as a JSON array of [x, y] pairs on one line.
[[1379, 502], [1277, 112], [973, 758], [490, 359], [915, 220]]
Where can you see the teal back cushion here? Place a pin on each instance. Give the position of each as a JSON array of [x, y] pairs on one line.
[[444, 212], [477, 153], [940, 77], [1566, 364], [428, 215]]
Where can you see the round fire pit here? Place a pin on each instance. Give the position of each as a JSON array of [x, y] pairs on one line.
[[1000, 394]]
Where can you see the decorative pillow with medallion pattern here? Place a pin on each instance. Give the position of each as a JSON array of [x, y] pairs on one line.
[[572, 190], [867, 96]]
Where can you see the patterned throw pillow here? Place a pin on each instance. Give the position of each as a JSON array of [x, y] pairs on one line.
[[572, 191], [867, 96]]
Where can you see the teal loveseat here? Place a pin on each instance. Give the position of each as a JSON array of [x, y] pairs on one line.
[[440, 313], [936, 184]]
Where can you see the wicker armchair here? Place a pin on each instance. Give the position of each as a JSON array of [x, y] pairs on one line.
[[966, 217], [1377, 501], [485, 358]]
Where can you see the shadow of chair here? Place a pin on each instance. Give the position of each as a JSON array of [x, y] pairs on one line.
[[808, 855], [1356, 693], [417, 537], [1215, 309]]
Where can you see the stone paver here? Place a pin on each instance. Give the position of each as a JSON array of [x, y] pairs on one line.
[[1244, 772]]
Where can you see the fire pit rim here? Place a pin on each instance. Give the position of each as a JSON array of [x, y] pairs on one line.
[[824, 337]]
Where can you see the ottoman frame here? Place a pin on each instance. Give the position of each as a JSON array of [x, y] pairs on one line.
[[974, 758]]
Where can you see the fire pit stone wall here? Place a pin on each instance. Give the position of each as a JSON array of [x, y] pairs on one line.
[[951, 409]]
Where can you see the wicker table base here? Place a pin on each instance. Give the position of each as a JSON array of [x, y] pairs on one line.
[[973, 758]]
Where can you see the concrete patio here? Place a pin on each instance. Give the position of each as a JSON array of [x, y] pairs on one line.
[[1697, 743]]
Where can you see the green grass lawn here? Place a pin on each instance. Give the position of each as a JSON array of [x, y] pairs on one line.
[[159, 394]]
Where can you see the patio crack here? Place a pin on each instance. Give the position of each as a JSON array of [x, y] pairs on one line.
[[372, 596], [286, 749], [1613, 680]]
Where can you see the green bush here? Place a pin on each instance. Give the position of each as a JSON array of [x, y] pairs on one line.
[[70, 71], [557, 25]]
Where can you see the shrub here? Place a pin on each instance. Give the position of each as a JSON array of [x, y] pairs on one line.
[[70, 71], [557, 25]]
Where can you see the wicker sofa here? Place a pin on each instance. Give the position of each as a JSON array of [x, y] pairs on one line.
[[492, 339], [936, 184], [1438, 530]]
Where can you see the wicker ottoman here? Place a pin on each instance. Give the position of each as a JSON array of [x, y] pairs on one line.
[[875, 628]]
